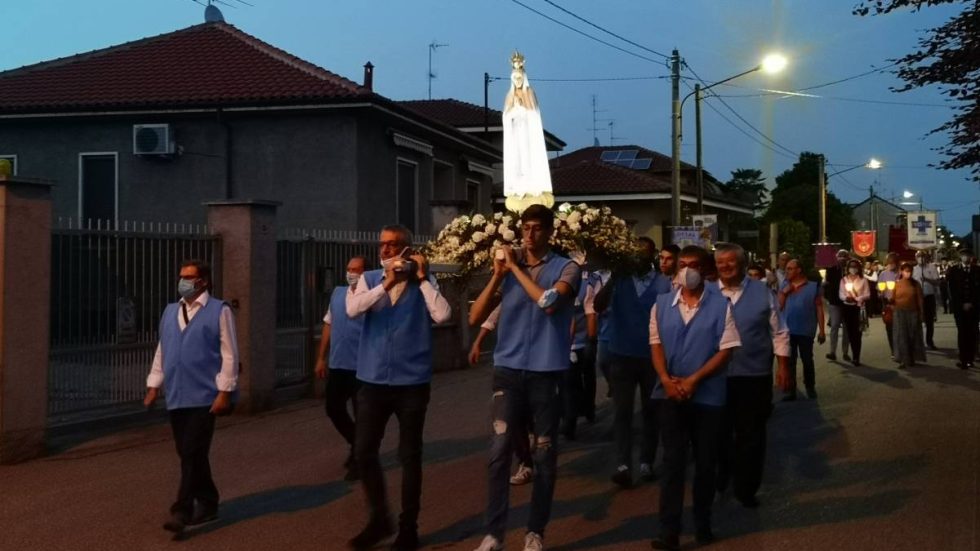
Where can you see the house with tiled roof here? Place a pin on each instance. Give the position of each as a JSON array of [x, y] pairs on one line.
[[151, 129], [635, 182]]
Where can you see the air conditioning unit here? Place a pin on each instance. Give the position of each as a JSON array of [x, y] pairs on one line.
[[152, 139]]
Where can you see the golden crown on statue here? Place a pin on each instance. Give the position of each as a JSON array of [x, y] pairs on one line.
[[517, 60]]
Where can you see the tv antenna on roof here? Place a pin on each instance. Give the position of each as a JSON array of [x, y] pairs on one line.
[[211, 12], [433, 46]]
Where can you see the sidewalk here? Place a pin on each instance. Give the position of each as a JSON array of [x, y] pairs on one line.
[[883, 460]]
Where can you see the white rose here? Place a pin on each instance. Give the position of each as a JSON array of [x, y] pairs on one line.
[[490, 229], [574, 226], [479, 220], [508, 235], [587, 219], [454, 241], [582, 206], [565, 207], [574, 218], [606, 210], [506, 220], [478, 236], [563, 215]]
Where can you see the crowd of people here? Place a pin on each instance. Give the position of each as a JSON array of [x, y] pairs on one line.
[[690, 334]]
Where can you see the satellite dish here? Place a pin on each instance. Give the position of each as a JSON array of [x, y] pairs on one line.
[[213, 15]]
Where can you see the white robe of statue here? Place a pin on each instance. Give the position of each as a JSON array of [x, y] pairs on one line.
[[527, 176]]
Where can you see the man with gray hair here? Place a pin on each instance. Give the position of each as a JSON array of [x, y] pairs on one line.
[[763, 332]]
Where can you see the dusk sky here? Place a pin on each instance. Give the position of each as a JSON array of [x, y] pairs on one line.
[[848, 122]]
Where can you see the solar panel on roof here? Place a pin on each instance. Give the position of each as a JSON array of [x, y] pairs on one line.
[[609, 156], [628, 154], [641, 164]]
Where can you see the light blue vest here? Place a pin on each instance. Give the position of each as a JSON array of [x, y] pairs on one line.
[[396, 340], [751, 314], [800, 311], [603, 318], [192, 357], [345, 333], [581, 338], [528, 338], [630, 318], [688, 347]]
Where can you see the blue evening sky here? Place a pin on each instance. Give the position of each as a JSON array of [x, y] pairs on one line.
[[823, 41]]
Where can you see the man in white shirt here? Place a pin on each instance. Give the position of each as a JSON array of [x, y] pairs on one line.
[[197, 361], [926, 273]]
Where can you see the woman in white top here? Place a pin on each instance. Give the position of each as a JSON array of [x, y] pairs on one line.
[[854, 291]]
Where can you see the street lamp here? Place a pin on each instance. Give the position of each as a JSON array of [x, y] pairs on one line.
[[908, 195], [772, 63], [872, 164]]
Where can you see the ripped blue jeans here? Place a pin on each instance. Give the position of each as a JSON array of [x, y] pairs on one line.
[[518, 395]]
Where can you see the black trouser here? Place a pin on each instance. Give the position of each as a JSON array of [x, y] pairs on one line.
[[682, 424], [801, 346], [966, 334], [572, 390], [744, 443], [929, 317], [852, 324], [375, 405], [193, 429], [342, 388], [589, 381], [627, 375]]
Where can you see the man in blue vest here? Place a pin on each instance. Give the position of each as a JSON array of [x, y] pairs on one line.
[[631, 297], [342, 336], [692, 334], [763, 333], [398, 305], [537, 290], [196, 362]]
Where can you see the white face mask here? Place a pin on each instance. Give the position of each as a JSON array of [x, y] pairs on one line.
[[352, 278], [386, 263], [854, 271], [689, 278]]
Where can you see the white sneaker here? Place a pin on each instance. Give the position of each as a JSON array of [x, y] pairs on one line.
[[490, 543], [533, 542], [522, 476]]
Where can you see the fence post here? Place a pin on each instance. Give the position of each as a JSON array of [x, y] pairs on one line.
[[25, 270], [248, 280]]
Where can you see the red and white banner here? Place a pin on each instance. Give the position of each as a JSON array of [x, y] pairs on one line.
[[863, 242]]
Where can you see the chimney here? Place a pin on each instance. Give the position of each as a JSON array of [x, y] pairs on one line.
[[369, 76]]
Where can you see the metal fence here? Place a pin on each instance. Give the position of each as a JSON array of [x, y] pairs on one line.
[[109, 284], [310, 263]]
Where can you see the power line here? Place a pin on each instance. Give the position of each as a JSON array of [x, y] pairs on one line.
[[607, 31], [852, 77], [747, 135], [595, 79], [741, 118], [788, 93], [585, 34]]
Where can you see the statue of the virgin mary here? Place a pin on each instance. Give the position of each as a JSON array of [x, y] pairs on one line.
[[527, 176]]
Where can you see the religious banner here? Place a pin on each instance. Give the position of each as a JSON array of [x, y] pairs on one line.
[[922, 229], [863, 242], [683, 236], [825, 255], [707, 225]]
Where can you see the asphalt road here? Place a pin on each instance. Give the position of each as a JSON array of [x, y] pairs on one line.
[[884, 459]]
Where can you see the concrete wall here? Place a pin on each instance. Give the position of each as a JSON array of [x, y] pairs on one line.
[[332, 169]]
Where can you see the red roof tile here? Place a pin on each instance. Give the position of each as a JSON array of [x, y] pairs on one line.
[[659, 161], [207, 64], [597, 177]]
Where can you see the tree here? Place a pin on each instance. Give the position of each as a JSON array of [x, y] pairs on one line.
[[947, 56], [795, 197], [748, 184]]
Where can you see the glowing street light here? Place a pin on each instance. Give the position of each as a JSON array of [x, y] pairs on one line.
[[872, 164], [773, 63]]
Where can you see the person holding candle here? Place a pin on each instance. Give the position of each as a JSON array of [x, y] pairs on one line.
[[886, 288], [854, 292], [907, 323]]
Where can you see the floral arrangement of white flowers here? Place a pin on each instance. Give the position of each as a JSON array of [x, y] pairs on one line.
[[470, 241]]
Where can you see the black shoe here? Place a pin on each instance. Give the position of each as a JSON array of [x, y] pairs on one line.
[[202, 515], [832, 356], [622, 478], [176, 523], [811, 393], [407, 540], [704, 536], [856, 362], [750, 502], [670, 543], [932, 346], [372, 534]]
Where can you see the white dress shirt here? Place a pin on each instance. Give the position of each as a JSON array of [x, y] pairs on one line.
[[729, 337], [361, 299], [491, 322], [921, 273], [777, 327], [226, 379]]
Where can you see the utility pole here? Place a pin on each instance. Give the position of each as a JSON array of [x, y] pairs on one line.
[[697, 123], [596, 120], [675, 148], [486, 105], [822, 192], [432, 47]]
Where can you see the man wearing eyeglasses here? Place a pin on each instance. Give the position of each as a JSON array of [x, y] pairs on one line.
[[196, 362]]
